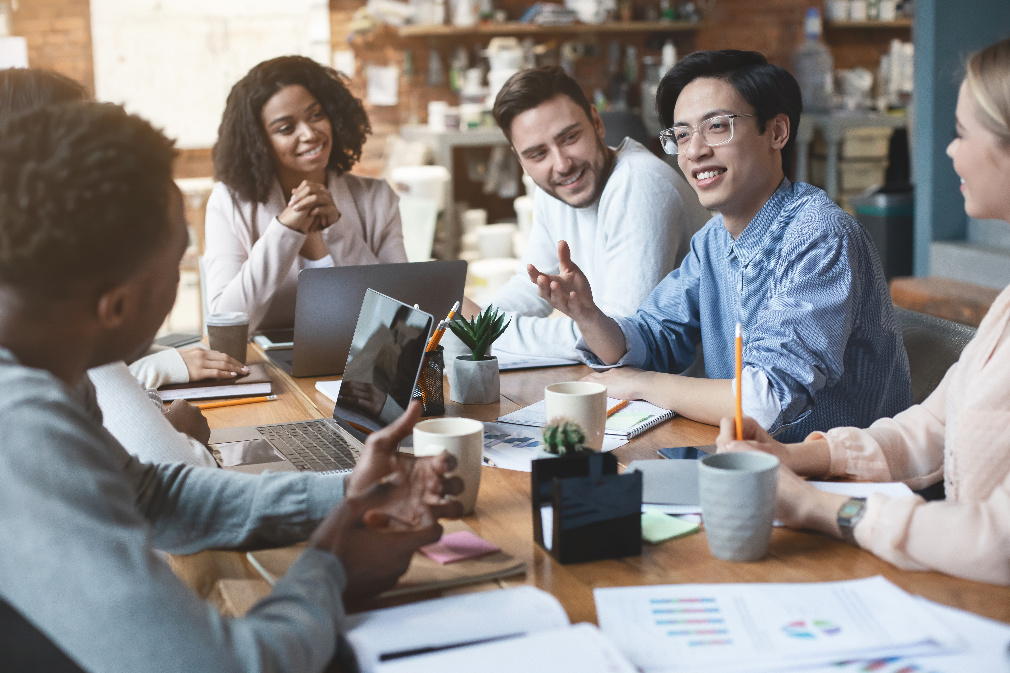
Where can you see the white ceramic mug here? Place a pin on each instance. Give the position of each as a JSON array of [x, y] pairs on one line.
[[738, 503], [583, 402], [464, 439]]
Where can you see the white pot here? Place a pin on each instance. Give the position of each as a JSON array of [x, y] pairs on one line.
[[474, 381]]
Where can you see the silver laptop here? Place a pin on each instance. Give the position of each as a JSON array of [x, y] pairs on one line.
[[328, 299], [383, 363]]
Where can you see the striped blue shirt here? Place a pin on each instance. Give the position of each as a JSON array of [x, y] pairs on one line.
[[822, 347]]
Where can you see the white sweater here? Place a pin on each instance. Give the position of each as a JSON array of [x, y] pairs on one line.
[[250, 263], [626, 242], [142, 429]]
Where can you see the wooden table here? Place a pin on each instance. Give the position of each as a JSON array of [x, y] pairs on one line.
[[503, 515]]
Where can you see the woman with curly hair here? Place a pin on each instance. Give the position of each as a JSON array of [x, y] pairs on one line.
[[285, 201]]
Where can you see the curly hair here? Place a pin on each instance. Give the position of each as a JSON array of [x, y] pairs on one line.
[[27, 89], [242, 155], [85, 191]]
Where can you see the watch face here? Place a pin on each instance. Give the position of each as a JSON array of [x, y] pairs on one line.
[[850, 509]]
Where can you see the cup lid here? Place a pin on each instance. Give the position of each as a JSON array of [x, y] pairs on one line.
[[227, 319]]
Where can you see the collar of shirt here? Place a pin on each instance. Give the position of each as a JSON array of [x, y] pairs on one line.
[[754, 239]]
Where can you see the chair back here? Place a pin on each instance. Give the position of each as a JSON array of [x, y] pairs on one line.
[[933, 345], [621, 124], [25, 649]]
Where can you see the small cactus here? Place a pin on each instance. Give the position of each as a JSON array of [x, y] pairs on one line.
[[564, 437]]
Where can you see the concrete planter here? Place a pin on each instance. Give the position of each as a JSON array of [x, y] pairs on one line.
[[474, 381]]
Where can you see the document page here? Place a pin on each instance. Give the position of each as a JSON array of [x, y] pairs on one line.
[[407, 631], [761, 627], [579, 648], [514, 447]]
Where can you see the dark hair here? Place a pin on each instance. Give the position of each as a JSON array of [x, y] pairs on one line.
[[527, 89], [242, 156], [769, 89], [28, 89], [85, 190]]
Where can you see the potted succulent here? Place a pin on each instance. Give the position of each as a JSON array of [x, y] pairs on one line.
[[474, 378], [564, 438]]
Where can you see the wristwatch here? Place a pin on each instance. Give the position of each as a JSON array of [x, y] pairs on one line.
[[849, 514]]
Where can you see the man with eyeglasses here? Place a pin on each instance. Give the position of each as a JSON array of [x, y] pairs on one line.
[[822, 346], [626, 214]]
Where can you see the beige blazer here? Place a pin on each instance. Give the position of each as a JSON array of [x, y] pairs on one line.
[[251, 259]]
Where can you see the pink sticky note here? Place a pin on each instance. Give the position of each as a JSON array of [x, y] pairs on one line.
[[458, 546]]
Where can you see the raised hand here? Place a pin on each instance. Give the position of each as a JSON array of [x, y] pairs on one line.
[[310, 208], [569, 291]]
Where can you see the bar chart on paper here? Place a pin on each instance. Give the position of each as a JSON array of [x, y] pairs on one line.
[[758, 627]]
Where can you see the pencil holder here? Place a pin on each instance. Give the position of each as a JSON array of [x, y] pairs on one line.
[[429, 384]]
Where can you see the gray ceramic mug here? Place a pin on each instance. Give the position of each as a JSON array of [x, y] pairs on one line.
[[738, 503]]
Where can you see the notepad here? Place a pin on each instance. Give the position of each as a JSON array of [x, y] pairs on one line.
[[256, 382], [630, 422]]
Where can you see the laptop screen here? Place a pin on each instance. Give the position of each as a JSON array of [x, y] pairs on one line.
[[382, 366]]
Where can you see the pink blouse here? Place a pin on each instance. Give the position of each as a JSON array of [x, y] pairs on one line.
[[962, 432]]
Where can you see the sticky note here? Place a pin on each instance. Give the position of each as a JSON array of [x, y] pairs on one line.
[[458, 546], [625, 420], [658, 527]]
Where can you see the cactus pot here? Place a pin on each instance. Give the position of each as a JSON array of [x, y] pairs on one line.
[[474, 381]]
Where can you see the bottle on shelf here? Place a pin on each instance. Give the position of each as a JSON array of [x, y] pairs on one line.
[[668, 58], [814, 67]]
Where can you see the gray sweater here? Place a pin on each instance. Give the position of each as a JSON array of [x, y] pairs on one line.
[[80, 519]]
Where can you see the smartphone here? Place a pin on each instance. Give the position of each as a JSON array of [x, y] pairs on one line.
[[177, 339], [687, 452], [273, 339]]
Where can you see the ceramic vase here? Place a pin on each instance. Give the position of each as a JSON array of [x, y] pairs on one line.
[[474, 381]]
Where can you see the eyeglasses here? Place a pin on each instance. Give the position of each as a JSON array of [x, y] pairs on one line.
[[714, 131]]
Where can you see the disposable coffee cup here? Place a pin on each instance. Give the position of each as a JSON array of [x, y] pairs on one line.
[[738, 503], [228, 333], [464, 439], [584, 403]]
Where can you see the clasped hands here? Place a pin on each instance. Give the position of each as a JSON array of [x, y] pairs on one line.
[[310, 208], [391, 508]]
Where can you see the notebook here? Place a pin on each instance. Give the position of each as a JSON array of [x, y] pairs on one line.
[[629, 422], [256, 382]]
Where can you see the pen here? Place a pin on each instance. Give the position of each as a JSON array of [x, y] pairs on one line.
[[437, 336], [617, 407], [232, 403], [739, 382]]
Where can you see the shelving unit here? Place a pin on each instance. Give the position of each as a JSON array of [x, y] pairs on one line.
[[518, 29], [896, 24]]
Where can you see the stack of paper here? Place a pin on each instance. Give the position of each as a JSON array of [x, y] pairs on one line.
[[744, 628]]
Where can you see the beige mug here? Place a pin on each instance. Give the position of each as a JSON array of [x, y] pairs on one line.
[[464, 439], [583, 402]]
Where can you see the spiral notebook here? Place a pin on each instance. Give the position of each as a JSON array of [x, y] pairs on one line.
[[631, 421]]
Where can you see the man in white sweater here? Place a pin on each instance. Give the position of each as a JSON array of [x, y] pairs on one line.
[[627, 216]]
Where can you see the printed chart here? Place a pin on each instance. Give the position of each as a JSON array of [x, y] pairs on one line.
[[757, 627]]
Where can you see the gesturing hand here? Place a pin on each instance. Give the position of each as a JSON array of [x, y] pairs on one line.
[[374, 549], [422, 479], [310, 208], [569, 291]]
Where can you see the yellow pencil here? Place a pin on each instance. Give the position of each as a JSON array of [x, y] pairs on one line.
[[437, 336], [739, 382], [617, 407], [232, 403]]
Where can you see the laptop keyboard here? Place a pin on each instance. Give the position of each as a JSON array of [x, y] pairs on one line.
[[312, 446]]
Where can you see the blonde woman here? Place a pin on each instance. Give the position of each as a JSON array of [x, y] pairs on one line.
[[960, 433]]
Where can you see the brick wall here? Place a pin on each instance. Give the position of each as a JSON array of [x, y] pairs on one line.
[[59, 36]]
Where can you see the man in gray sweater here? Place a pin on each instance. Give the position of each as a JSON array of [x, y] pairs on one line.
[[91, 234]]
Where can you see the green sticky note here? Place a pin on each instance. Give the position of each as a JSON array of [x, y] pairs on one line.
[[624, 420], [658, 527]]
